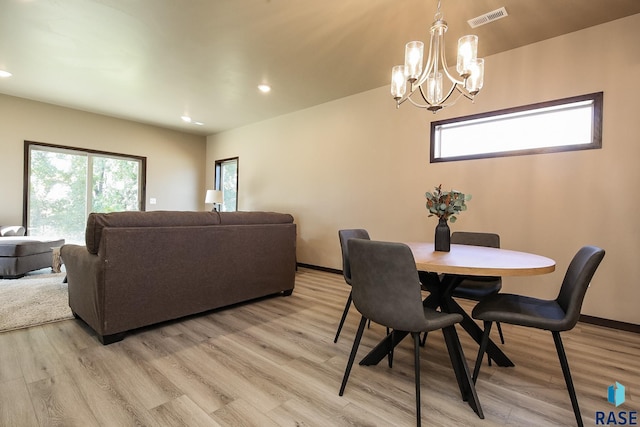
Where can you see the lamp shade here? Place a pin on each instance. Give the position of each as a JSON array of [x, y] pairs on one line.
[[213, 196]]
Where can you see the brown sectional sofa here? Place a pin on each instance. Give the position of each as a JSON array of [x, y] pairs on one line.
[[20, 254], [142, 268]]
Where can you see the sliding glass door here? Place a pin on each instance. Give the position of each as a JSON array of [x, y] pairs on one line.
[[63, 185]]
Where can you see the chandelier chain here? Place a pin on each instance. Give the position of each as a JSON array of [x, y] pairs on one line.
[[438, 15]]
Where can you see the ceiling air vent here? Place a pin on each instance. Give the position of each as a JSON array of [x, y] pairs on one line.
[[488, 17]]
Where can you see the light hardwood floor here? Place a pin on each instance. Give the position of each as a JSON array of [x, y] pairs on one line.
[[274, 363]]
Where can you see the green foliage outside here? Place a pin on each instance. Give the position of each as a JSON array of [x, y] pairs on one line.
[[229, 185], [115, 185], [58, 192]]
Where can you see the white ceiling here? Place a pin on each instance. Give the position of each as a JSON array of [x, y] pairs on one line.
[[153, 61]]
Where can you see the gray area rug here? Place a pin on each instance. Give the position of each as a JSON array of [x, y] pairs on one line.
[[33, 300]]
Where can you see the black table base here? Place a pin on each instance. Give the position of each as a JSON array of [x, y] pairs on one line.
[[440, 288]]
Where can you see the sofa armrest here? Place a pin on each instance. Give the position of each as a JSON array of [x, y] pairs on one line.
[[12, 230], [85, 278]]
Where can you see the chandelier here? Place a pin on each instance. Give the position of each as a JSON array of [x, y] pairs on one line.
[[429, 80]]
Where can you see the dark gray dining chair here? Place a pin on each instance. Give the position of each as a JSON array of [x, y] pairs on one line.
[[386, 289], [558, 315], [475, 288], [344, 236]]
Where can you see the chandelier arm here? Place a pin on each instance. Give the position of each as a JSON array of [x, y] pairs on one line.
[[428, 66], [401, 101], [424, 96], [430, 106], [407, 97], [463, 92], [453, 102], [453, 79], [453, 87], [445, 66], [415, 104]]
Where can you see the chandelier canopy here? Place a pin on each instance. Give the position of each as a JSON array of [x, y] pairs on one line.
[[429, 80]]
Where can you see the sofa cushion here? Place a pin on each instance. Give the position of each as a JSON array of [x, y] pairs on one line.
[[23, 246], [12, 230], [243, 218], [97, 221]]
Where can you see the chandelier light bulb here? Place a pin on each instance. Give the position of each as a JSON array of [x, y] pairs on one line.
[[476, 78], [398, 81], [434, 88], [467, 54], [413, 53]]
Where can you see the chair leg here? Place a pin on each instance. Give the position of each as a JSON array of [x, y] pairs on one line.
[[390, 355], [500, 332], [501, 340], [352, 356], [461, 370], [423, 341], [483, 348], [416, 345], [567, 377], [344, 316]]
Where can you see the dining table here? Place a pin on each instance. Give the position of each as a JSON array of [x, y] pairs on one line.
[[440, 273]]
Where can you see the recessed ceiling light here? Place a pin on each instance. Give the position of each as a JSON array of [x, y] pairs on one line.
[[264, 88], [188, 119], [5, 73]]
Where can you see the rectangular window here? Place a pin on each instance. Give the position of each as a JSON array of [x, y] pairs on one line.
[[63, 185], [226, 179], [563, 125]]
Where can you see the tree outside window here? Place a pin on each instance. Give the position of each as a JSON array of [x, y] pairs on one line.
[[64, 185], [226, 179]]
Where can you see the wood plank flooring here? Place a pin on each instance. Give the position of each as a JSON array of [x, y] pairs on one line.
[[273, 363]]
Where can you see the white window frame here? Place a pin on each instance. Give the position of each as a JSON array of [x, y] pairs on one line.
[[562, 125]]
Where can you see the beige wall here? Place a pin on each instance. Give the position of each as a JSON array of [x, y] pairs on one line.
[[175, 170], [359, 162]]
